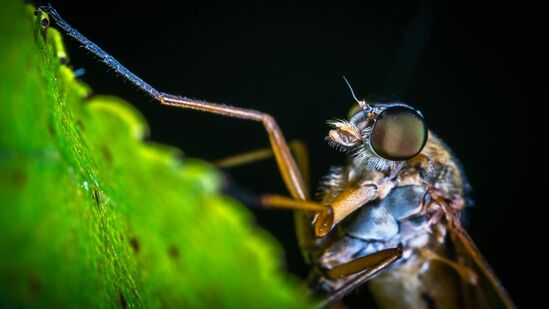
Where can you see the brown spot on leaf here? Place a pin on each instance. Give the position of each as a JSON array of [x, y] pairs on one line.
[[19, 178], [106, 153], [95, 195], [123, 301], [135, 244], [81, 125], [35, 285], [51, 130], [173, 252]]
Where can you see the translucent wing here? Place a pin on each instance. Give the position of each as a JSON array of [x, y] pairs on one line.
[[488, 292], [451, 274]]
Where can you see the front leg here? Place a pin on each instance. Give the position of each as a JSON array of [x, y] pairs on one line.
[[365, 268], [286, 162], [349, 200]]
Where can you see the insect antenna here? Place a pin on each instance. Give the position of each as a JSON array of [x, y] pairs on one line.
[[362, 103]]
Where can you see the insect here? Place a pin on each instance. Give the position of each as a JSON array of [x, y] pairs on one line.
[[390, 217]]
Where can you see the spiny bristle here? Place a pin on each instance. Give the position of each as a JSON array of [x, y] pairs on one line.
[[331, 182], [365, 157], [337, 146], [336, 123]]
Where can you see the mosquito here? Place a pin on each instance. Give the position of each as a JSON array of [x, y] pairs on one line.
[[390, 217]]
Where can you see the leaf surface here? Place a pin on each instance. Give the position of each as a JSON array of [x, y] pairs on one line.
[[93, 216]]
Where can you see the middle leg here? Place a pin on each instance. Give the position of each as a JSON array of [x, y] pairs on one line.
[[298, 148]]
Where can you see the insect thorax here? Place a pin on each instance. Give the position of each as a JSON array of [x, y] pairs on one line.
[[409, 216]]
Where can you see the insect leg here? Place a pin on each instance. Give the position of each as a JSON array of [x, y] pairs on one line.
[[362, 263], [303, 230], [245, 158], [366, 267], [298, 148], [349, 200], [278, 201], [288, 168], [466, 273], [98, 52], [286, 164]]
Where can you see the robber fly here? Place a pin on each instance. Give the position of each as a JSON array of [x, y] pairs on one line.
[[390, 217]]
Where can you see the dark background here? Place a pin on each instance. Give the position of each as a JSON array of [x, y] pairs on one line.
[[466, 67]]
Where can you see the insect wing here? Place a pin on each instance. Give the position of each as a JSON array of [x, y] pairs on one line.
[[488, 292]]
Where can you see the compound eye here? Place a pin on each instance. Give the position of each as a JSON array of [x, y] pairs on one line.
[[399, 133]]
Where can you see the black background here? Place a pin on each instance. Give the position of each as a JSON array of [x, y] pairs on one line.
[[466, 67]]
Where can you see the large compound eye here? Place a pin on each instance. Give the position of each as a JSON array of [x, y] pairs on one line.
[[399, 133]]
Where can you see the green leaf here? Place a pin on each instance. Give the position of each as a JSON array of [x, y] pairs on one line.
[[92, 216]]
